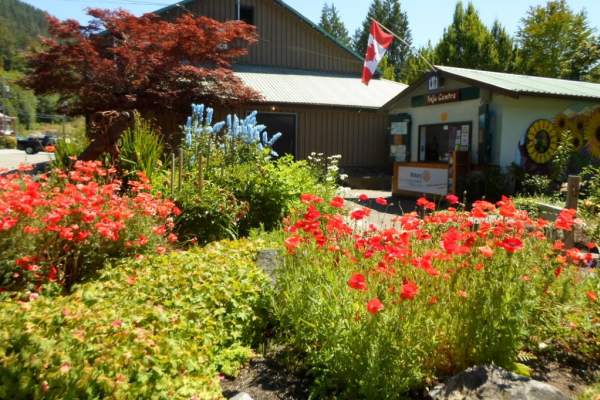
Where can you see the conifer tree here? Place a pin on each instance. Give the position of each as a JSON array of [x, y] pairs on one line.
[[467, 42], [390, 14], [333, 24]]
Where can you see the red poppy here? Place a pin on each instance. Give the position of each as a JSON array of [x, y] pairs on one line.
[[422, 202], [591, 245], [433, 300], [358, 282], [511, 244], [409, 290], [592, 296], [360, 213], [381, 201], [558, 245], [337, 202], [558, 271], [452, 199], [479, 266], [363, 197], [462, 293], [374, 306], [292, 243]]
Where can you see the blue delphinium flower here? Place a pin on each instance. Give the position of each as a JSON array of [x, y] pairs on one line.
[[209, 116]]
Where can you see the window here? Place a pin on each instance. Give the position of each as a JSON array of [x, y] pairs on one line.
[[247, 14]]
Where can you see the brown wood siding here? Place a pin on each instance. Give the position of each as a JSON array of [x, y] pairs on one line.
[[284, 39]]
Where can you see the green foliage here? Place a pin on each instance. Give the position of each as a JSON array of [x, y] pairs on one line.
[[557, 42], [467, 308], [20, 26], [270, 190], [8, 142], [230, 183], [535, 185], [16, 101], [208, 215], [390, 14], [160, 328], [490, 183], [141, 149], [467, 42], [416, 65], [333, 24]]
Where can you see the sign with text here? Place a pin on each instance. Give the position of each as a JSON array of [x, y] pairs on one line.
[[442, 97], [423, 180]]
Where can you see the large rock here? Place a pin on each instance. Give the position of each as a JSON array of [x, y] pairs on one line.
[[491, 382]]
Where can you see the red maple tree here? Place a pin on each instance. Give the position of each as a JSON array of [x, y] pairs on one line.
[[122, 62]]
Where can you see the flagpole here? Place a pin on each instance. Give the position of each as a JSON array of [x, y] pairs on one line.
[[403, 41]]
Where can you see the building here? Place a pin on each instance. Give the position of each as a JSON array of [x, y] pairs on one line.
[[454, 120], [7, 125], [310, 82]]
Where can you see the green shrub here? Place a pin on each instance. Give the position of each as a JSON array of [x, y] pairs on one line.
[[8, 142], [376, 313], [141, 149], [270, 189], [159, 328], [210, 215]]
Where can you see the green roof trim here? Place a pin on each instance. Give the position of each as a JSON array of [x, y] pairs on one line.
[[287, 7]]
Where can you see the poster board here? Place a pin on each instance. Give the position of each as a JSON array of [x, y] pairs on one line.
[[423, 180]]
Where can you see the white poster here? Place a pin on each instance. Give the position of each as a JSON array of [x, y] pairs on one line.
[[399, 128], [423, 180]]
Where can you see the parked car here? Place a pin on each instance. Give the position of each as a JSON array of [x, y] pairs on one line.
[[35, 144]]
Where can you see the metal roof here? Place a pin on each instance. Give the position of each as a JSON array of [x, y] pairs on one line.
[[314, 88], [526, 85]]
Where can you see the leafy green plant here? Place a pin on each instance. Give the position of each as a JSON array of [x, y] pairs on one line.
[[210, 215], [375, 313], [8, 142], [141, 148], [247, 185], [163, 327]]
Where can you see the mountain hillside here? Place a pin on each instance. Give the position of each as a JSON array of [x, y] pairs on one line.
[[20, 26]]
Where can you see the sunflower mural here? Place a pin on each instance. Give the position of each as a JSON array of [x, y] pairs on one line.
[[541, 141], [576, 126], [592, 133]]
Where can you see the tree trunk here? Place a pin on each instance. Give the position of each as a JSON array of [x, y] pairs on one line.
[[105, 129]]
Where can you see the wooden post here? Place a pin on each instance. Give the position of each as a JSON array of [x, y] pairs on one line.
[[180, 177], [172, 173], [573, 187]]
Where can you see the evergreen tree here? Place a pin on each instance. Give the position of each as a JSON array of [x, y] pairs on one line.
[[418, 63], [390, 14], [333, 24], [557, 42], [467, 42], [505, 48]]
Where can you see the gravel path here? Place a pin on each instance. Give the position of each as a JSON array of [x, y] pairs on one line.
[[381, 216]]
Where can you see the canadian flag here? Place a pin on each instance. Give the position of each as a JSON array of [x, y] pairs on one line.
[[379, 43]]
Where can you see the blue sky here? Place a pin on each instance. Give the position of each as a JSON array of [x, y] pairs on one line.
[[427, 18]]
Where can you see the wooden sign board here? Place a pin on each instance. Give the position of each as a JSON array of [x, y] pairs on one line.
[[442, 97]]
